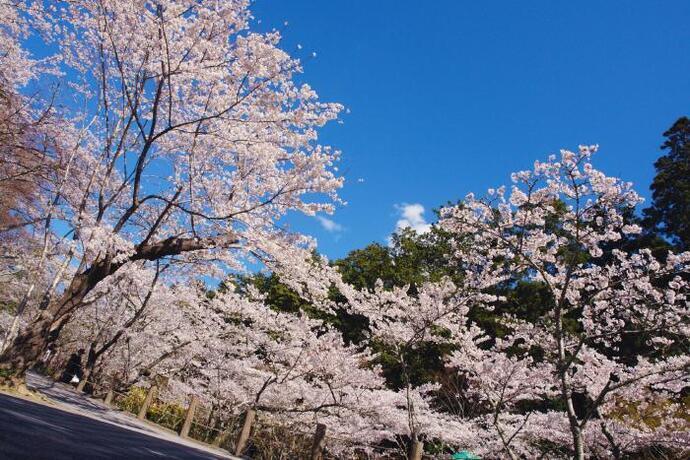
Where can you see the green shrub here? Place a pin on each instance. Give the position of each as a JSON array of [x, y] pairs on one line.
[[133, 400]]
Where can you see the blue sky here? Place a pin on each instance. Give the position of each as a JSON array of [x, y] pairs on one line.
[[448, 97]]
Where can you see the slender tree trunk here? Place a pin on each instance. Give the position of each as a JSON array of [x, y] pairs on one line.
[[579, 453], [317, 442], [14, 328], [616, 451], [88, 368], [566, 392]]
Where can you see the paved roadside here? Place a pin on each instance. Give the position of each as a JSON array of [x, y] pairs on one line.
[[72, 426]]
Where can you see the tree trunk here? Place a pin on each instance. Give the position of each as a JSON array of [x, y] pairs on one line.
[[82, 383], [28, 347], [30, 344], [416, 450], [317, 442], [14, 327], [578, 444], [87, 370], [25, 351]]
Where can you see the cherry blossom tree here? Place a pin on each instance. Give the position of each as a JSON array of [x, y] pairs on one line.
[[557, 227], [403, 322], [135, 326], [115, 311], [189, 140], [30, 160], [281, 366]]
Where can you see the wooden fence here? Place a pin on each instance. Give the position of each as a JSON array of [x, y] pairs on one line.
[[243, 435]]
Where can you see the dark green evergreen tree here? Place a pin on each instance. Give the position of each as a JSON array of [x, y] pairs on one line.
[[669, 213]]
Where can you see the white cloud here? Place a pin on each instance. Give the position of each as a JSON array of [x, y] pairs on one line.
[[329, 225], [412, 216]]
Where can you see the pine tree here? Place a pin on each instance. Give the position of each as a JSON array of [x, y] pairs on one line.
[[669, 213]]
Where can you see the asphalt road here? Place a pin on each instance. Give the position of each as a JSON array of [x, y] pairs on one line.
[[34, 431]]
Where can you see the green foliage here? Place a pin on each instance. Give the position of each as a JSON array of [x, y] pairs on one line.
[[652, 413], [168, 415], [9, 307], [362, 267], [669, 213], [6, 373], [171, 416], [278, 295], [410, 260], [133, 400], [424, 364]]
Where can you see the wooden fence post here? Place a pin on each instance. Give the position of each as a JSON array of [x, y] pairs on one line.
[[147, 402], [189, 418], [84, 380], [317, 443], [416, 450], [246, 431], [108, 400]]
